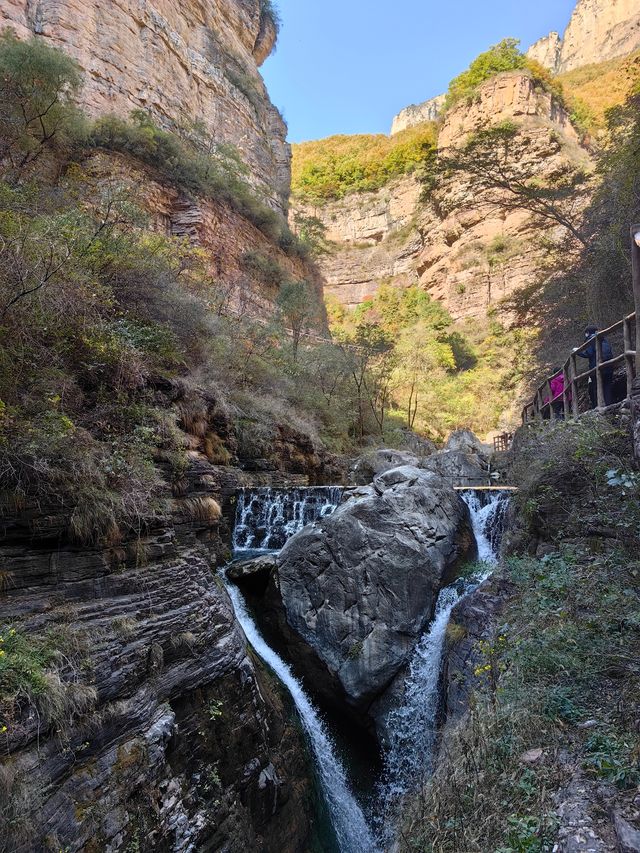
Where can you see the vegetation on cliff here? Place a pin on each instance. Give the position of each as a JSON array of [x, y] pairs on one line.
[[550, 741], [331, 168], [504, 56], [591, 91]]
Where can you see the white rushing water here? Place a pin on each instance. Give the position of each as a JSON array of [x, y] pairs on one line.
[[349, 824], [412, 726], [267, 518]]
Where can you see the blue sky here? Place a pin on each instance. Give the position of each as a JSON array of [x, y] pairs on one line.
[[348, 66]]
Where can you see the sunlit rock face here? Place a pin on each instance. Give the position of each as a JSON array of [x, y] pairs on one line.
[[598, 30], [469, 256], [181, 60]]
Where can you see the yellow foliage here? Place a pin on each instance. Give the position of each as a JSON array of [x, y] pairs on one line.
[[594, 89], [333, 167]]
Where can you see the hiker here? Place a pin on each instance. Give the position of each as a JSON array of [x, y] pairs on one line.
[[556, 383], [589, 351]]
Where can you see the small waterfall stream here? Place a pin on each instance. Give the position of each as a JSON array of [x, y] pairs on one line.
[[408, 760], [265, 520], [352, 832]]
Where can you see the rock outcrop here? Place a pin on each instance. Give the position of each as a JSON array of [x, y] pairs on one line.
[[154, 728], [359, 587], [225, 236], [468, 256], [190, 61], [598, 30], [417, 114]]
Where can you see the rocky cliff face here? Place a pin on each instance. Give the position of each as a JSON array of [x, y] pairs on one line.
[[467, 256], [154, 727], [226, 237], [180, 61], [417, 113], [598, 30]]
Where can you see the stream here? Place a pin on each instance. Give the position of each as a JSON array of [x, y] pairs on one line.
[[265, 519]]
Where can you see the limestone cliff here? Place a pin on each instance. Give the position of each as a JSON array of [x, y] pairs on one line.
[[468, 257], [598, 30], [181, 61], [417, 113]]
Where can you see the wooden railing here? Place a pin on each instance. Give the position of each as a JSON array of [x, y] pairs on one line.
[[543, 405], [503, 442]]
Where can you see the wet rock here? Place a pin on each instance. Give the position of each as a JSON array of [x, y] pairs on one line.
[[359, 587], [473, 619], [255, 569]]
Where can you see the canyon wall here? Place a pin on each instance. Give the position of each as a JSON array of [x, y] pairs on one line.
[[468, 256], [180, 61], [155, 726], [598, 30], [417, 114]]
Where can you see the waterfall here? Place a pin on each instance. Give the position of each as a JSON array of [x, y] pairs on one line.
[[267, 518], [488, 511], [412, 726], [352, 833]]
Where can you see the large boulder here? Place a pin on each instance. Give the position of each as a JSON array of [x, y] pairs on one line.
[[360, 586], [374, 462], [464, 460]]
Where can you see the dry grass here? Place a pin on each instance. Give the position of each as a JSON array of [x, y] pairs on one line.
[[602, 86], [202, 509]]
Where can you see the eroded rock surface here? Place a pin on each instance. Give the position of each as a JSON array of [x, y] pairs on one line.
[[360, 586], [180, 61], [598, 30], [155, 728], [469, 255]]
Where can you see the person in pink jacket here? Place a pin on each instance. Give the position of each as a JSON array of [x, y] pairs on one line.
[[556, 384]]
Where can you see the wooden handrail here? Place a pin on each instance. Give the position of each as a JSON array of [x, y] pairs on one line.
[[537, 407]]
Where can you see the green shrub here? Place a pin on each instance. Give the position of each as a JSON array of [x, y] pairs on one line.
[[38, 89], [269, 10], [264, 268], [196, 166], [331, 168], [504, 56]]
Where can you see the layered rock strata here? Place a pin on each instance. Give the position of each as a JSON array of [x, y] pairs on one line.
[[598, 30], [154, 728], [228, 239], [189, 61], [470, 256]]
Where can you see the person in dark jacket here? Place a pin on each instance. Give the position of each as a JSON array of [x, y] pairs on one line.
[[589, 352]]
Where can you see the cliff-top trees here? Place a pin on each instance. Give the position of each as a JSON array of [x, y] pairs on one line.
[[504, 56], [498, 167]]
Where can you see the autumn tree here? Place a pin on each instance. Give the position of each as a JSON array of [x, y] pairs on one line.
[[497, 166]]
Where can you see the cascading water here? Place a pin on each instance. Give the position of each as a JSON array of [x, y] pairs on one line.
[[408, 759], [266, 518], [349, 824]]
